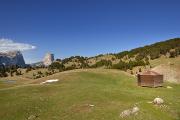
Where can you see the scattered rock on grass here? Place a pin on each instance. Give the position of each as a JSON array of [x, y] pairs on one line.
[[158, 101], [125, 113], [129, 112], [135, 110], [90, 105], [164, 106], [32, 117], [169, 87]]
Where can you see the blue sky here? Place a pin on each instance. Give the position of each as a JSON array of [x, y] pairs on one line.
[[87, 27]]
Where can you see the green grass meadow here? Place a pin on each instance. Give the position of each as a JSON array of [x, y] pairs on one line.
[[110, 91]]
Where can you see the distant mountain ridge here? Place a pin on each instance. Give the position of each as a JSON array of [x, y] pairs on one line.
[[37, 64], [12, 58]]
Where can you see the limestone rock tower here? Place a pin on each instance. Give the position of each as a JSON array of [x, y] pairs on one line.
[[48, 59]]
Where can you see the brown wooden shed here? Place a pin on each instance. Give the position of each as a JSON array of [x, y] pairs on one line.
[[150, 79]]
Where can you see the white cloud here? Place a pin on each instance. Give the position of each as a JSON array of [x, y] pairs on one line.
[[9, 45]]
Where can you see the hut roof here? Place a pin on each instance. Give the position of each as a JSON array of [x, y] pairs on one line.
[[149, 72]]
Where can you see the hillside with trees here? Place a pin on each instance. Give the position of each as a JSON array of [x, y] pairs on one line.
[[127, 59], [138, 58]]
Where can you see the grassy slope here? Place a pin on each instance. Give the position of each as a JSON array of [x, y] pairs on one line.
[[169, 67], [111, 92], [170, 63], [164, 60]]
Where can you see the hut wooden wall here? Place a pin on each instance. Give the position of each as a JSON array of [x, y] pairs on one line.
[[146, 80], [150, 80], [158, 80]]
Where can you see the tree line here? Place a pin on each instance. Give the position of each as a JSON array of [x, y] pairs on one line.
[[141, 57]]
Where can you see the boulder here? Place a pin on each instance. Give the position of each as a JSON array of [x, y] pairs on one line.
[[158, 101], [129, 112], [134, 110], [125, 113]]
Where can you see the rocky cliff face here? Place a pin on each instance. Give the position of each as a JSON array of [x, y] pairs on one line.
[[48, 59], [12, 58]]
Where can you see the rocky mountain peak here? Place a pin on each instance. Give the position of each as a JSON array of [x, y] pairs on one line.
[[12, 58], [48, 59]]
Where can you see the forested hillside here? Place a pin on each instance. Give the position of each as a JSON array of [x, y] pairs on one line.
[[171, 47], [126, 59]]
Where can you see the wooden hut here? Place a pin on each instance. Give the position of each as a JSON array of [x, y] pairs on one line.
[[150, 79]]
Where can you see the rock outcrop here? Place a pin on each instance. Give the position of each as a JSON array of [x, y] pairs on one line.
[[12, 58], [48, 59]]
